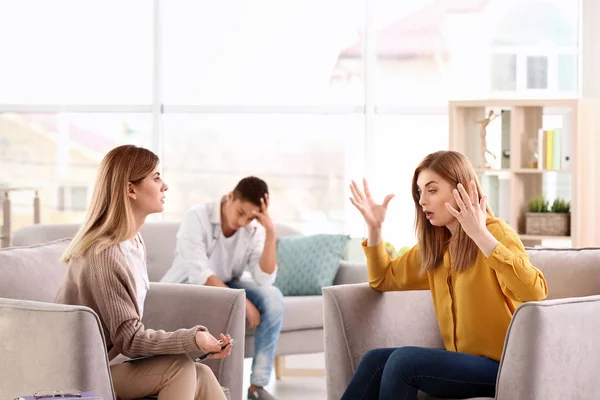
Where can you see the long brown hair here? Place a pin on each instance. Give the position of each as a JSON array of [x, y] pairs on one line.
[[433, 241], [109, 220]]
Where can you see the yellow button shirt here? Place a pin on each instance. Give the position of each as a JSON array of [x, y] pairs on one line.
[[473, 307]]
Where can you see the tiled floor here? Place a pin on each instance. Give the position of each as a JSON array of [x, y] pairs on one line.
[[294, 388]]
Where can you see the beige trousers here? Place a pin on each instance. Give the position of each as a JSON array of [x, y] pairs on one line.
[[172, 377]]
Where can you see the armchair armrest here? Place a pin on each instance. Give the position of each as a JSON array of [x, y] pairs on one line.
[[48, 346], [552, 351], [173, 306], [358, 318]]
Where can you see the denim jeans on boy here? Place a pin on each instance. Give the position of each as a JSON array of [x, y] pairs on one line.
[[385, 374], [269, 301]]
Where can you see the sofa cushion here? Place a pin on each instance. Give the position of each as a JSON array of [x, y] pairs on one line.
[[32, 272], [308, 263], [568, 272], [300, 313], [160, 239], [296, 315]]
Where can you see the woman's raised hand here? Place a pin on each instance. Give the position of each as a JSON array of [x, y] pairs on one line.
[[373, 213]]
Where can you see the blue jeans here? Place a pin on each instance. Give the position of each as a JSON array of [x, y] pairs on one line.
[[401, 372], [269, 301]]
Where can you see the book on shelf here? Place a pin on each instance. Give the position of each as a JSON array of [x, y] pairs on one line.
[[554, 149], [566, 141], [505, 141]]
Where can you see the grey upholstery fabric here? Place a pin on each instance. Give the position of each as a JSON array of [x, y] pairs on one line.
[[296, 317], [302, 315], [46, 347], [358, 318], [36, 234], [569, 272], [551, 349], [351, 272], [171, 306], [34, 272], [160, 238], [64, 343]]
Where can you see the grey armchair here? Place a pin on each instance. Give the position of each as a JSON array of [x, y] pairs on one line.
[[46, 346], [551, 350]]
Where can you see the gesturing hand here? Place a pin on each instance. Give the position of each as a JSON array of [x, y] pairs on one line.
[[207, 342], [472, 214], [226, 351], [374, 214]]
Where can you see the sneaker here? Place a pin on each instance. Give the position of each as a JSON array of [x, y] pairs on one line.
[[260, 394]]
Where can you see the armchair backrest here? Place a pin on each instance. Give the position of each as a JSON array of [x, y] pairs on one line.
[[160, 238], [568, 272]]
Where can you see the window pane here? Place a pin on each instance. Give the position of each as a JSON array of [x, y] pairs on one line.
[[537, 72], [538, 23], [74, 52], [79, 196], [504, 72], [307, 161], [266, 52], [429, 52], [567, 73], [397, 154], [411, 53], [58, 155]]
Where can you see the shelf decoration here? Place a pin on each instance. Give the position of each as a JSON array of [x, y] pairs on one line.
[[546, 219]]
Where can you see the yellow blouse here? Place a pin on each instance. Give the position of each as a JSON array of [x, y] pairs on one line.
[[473, 307]]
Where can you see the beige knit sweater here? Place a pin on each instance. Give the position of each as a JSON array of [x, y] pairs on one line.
[[104, 283]]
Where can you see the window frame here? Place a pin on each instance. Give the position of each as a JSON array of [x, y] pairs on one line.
[[522, 53]]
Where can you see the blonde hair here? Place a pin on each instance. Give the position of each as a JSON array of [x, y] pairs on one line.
[[109, 220], [433, 241]]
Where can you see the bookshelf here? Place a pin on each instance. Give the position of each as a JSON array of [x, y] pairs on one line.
[[513, 178]]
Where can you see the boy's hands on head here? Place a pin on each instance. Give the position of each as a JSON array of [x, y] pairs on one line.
[[373, 213], [263, 216]]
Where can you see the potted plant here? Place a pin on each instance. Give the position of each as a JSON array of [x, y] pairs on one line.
[[392, 252], [546, 219]]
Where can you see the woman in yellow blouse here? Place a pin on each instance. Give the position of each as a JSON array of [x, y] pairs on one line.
[[478, 273]]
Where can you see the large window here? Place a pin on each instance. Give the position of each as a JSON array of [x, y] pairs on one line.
[[307, 160], [535, 49], [76, 52], [307, 95], [57, 154], [273, 52], [394, 164]]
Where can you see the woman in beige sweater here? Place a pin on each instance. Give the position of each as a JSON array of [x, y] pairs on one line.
[[107, 272]]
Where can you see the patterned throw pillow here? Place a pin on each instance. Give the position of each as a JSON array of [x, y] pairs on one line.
[[307, 263]]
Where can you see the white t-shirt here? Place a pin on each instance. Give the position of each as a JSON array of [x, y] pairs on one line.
[[136, 261]]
